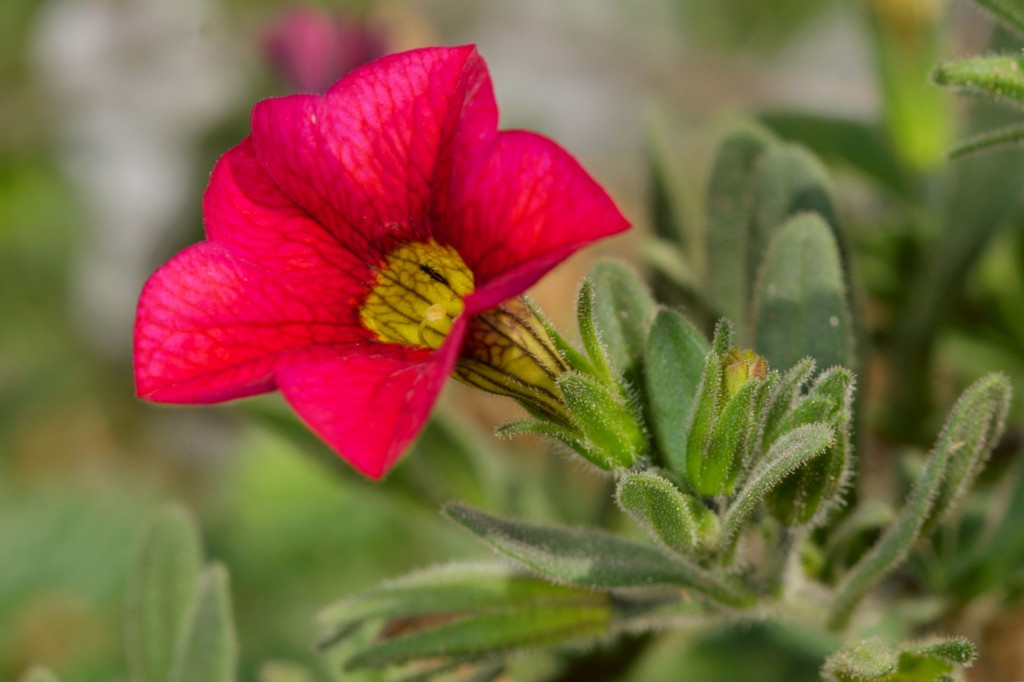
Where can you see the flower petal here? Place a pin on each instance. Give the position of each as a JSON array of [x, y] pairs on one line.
[[211, 326], [362, 158], [246, 212], [369, 404], [518, 209]]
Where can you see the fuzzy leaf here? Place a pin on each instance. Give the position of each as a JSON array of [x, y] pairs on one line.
[[1010, 12], [673, 367], [870, 659], [984, 407], [791, 181], [701, 424], [862, 146], [800, 306], [988, 140], [208, 650], [614, 437], [1000, 77], [791, 451], [462, 588], [784, 396], [722, 339], [731, 262], [956, 650], [588, 557], [972, 428], [161, 590], [719, 466], [797, 499], [464, 611], [485, 634], [623, 313], [679, 521]]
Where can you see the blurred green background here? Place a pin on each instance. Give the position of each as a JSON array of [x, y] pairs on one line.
[[113, 112]]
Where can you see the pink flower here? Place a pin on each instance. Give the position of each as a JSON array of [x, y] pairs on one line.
[[312, 49], [351, 239]]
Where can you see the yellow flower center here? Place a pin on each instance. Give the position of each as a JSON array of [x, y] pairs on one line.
[[418, 295]]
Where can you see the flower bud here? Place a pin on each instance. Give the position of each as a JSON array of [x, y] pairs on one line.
[[723, 419], [811, 488], [739, 367], [508, 352]]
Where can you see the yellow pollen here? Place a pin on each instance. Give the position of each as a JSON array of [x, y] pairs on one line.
[[418, 295]]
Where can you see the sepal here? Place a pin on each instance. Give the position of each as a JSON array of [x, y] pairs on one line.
[[613, 436]]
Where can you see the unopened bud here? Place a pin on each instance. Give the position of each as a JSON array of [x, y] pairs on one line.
[[739, 367], [508, 352]]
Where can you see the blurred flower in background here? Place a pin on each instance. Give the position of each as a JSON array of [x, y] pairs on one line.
[[312, 48]]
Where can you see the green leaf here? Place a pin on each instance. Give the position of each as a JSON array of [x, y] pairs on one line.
[[703, 416], [38, 675], [988, 140], [161, 590], [490, 633], [667, 201], [924, 661], [673, 366], [984, 406], [790, 452], [1010, 12], [614, 438], [208, 650], [800, 304], [972, 428], [462, 611], [720, 464], [591, 558], [861, 146], [956, 650], [784, 397], [731, 261], [722, 339], [624, 311], [1000, 77], [678, 521], [808, 410], [870, 659], [791, 181], [810, 489], [459, 588]]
